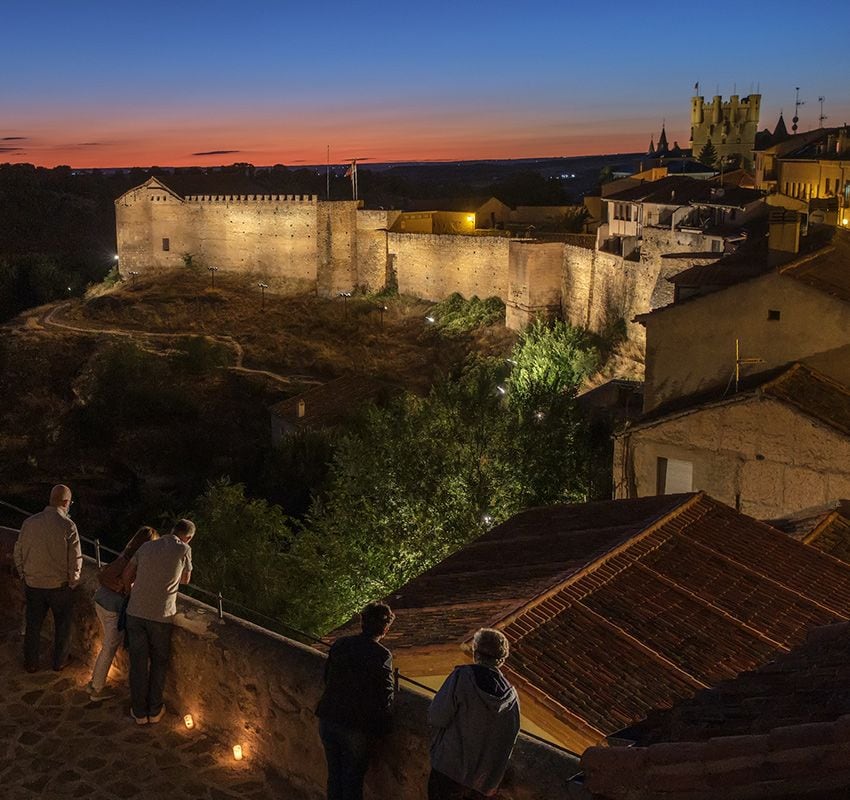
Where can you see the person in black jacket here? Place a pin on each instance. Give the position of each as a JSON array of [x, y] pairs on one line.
[[356, 707]]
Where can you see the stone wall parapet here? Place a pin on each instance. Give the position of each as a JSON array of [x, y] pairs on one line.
[[310, 199]]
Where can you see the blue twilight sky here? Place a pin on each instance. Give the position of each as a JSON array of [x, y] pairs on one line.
[[100, 84]]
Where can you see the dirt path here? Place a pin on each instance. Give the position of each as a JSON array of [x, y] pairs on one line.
[[47, 319]]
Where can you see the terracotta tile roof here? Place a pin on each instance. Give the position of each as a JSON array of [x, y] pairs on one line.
[[807, 684], [331, 403], [620, 607], [682, 189], [799, 386], [512, 563], [826, 527], [827, 270]]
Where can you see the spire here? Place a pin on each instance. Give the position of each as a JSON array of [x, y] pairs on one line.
[[651, 151], [662, 142], [780, 132]]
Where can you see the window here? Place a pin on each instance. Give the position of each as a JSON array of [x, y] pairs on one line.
[[716, 245], [675, 476], [773, 314], [166, 245]]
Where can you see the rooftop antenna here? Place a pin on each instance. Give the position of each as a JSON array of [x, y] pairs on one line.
[[822, 116], [740, 362], [797, 103]]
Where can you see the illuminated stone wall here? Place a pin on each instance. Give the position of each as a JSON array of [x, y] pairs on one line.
[[760, 453], [534, 282], [245, 685], [434, 266]]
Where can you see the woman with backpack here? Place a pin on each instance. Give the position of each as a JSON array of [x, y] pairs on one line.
[[109, 601]]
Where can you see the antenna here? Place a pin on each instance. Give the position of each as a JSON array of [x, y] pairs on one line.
[[797, 103], [822, 116], [740, 362]]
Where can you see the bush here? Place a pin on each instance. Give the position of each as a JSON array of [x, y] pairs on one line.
[[456, 315]]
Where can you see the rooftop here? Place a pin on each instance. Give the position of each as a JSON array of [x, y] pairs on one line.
[[798, 385], [827, 528], [618, 607], [781, 731], [683, 190]]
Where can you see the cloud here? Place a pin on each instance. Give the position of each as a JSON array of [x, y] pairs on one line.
[[12, 138], [11, 149], [216, 152], [92, 144]]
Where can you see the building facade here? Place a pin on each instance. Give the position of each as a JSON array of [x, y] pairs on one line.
[[730, 126]]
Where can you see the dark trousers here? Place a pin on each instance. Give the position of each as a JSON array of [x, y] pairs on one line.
[[150, 652], [61, 603], [441, 787], [347, 751]]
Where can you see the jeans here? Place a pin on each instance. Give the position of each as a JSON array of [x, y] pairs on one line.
[[441, 787], [150, 652], [347, 751], [109, 646], [61, 603]]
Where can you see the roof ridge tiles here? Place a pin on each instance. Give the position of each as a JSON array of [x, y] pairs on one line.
[[601, 560]]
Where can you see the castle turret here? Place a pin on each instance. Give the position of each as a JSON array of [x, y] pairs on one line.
[[663, 148], [731, 126]]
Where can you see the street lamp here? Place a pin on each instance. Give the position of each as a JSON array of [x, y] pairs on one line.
[[382, 311], [133, 274], [344, 296], [212, 271], [263, 287]]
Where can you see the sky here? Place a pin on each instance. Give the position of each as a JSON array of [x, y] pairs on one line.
[[97, 84]]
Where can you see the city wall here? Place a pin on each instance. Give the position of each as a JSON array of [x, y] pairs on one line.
[[432, 266], [302, 244], [243, 684]]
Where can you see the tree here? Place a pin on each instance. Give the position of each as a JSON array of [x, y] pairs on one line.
[[708, 155]]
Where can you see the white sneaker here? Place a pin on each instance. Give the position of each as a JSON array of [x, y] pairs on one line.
[[157, 717], [139, 720]]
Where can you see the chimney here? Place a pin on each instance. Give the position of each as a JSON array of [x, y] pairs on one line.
[[302, 408], [784, 237]]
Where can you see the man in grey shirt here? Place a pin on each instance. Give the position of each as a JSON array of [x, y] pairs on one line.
[[155, 572], [49, 560]]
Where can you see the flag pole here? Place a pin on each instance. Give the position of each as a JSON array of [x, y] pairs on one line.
[[328, 174]]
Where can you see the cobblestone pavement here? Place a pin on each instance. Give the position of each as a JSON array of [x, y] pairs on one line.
[[56, 743]]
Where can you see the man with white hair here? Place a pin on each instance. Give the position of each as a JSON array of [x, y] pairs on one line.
[[49, 560], [475, 721]]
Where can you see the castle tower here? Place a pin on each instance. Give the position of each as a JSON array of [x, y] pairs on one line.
[[731, 125]]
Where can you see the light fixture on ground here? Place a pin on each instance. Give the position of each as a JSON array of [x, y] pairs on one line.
[[430, 319], [188, 721], [263, 287], [133, 275], [382, 310], [212, 271], [501, 389], [237, 752]]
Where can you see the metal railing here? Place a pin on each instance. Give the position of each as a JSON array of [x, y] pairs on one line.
[[273, 625]]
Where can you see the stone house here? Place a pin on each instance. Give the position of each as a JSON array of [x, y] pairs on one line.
[[780, 305], [325, 406], [808, 166], [619, 607], [779, 444]]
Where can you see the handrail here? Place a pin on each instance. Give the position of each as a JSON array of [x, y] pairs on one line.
[[309, 637]]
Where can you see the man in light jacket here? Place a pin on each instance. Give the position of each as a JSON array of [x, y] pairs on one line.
[[49, 560], [475, 721]]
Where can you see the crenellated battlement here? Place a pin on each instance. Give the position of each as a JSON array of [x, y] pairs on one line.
[[303, 199]]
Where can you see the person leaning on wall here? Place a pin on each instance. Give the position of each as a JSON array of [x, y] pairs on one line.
[[475, 720], [109, 601], [355, 709], [49, 560]]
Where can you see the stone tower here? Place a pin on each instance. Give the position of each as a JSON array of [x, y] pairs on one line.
[[731, 126]]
